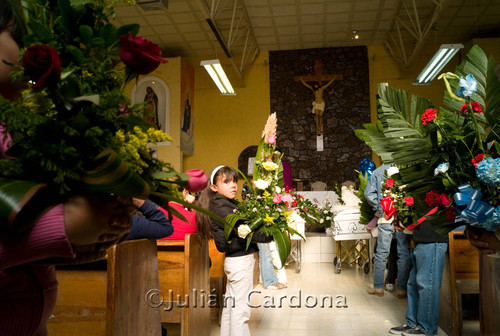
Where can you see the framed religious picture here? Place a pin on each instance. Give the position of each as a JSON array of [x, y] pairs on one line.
[[155, 94]]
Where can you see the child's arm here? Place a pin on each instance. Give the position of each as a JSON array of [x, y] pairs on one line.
[[154, 224]]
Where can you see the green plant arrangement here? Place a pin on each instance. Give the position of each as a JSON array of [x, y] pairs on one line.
[[74, 128], [366, 211], [268, 206], [448, 157]]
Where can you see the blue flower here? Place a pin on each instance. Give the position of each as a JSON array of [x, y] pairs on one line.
[[488, 171], [492, 223], [467, 86], [442, 168]]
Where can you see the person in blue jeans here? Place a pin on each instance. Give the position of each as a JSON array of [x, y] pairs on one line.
[[373, 195], [424, 283], [267, 272]]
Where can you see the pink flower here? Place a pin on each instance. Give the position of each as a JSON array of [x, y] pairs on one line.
[[428, 116], [277, 199], [197, 181], [5, 142], [271, 139], [288, 199], [408, 201]]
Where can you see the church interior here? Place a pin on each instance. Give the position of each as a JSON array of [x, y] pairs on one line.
[[274, 52]]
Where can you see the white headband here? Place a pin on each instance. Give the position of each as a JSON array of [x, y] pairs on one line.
[[216, 169]]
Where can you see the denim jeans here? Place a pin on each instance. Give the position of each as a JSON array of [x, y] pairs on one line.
[[404, 260], [267, 272], [385, 231], [424, 285]]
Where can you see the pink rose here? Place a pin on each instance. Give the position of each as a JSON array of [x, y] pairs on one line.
[[277, 198], [198, 180], [271, 139], [139, 54]]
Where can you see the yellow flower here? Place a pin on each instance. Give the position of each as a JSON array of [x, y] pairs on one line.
[[269, 219], [270, 166]]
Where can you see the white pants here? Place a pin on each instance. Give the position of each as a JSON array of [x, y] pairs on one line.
[[236, 310]]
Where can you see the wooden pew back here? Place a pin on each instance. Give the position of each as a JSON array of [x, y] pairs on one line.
[[184, 280], [109, 298]]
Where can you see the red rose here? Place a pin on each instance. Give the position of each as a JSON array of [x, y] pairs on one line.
[[139, 54], [408, 201], [475, 106], [428, 116], [443, 200], [477, 159], [294, 204], [42, 65], [198, 180], [389, 183]]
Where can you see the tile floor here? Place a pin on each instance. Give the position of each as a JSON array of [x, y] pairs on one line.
[[365, 315]]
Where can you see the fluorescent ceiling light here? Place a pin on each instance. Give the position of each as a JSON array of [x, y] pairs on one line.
[[220, 79], [437, 63]]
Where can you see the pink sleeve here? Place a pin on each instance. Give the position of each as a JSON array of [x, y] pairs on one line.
[[47, 239]]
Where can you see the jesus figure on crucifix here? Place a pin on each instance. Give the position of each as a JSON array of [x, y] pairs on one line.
[[318, 105]]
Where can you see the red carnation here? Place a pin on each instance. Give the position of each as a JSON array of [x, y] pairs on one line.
[[428, 116], [139, 54], [409, 201], [476, 107], [477, 159], [450, 214], [430, 198], [389, 183], [42, 65]]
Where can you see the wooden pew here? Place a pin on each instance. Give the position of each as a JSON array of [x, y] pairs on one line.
[[460, 276], [109, 297], [184, 279]]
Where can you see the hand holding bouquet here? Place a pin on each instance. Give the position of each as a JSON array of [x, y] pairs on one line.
[[73, 128]]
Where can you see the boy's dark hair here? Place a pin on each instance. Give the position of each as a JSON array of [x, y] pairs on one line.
[[9, 21]]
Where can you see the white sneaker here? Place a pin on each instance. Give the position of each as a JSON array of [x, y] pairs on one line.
[[389, 288]]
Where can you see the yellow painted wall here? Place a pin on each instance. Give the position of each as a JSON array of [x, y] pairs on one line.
[[226, 125]]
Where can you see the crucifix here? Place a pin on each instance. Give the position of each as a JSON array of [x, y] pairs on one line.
[[318, 105]]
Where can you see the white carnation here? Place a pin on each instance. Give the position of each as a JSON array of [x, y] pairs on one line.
[[243, 231], [392, 170], [277, 189]]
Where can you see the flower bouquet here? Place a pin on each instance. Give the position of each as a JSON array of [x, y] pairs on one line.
[[73, 127], [448, 157], [267, 207]]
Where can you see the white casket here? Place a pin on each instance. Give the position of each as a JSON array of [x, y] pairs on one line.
[[347, 222], [296, 222]]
